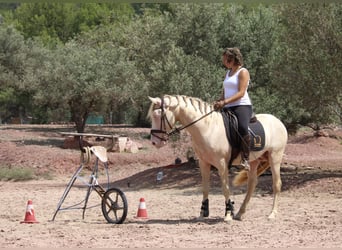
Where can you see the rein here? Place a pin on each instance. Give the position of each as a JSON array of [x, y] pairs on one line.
[[177, 130], [174, 130]]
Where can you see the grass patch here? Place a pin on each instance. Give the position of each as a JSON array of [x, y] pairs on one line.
[[16, 174]]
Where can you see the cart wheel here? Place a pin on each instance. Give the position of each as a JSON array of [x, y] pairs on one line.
[[114, 206]]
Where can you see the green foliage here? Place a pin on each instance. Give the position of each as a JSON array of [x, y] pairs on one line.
[[181, 74], [13, 65], [73, 59], [163, 63], [81, 79], [16, 174], [308, 72], [199, 27], [7, 100], [60, 22], [45, 20], [12, 55]]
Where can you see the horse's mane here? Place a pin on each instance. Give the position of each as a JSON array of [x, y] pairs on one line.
[[197, 104]]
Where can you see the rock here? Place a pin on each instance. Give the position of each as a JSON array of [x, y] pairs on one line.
[[131, 147], [120, 144]]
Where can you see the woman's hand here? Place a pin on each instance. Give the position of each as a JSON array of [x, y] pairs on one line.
[[219, 104]]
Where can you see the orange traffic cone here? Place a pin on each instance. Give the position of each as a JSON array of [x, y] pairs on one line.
[[142, 212], [29, 215]]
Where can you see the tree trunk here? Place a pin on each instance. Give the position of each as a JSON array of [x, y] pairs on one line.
[[80, 121]]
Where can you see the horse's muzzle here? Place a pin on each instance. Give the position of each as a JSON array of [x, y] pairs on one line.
[[159, 143]]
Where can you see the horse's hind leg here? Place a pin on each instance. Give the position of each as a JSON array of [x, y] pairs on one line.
[[251, 184], [275, 161]]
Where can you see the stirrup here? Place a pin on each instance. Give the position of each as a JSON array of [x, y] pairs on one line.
[[245, 164]]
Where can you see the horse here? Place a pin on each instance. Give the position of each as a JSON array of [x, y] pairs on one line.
[[172, 113]]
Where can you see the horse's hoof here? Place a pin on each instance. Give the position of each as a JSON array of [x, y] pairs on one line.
[[200, 218], [237, 217], [228, 218], [272, 216]]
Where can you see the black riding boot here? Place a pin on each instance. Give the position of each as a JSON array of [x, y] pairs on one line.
[[246, 140]]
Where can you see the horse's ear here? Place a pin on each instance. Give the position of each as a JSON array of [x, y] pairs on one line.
[[155, 100]]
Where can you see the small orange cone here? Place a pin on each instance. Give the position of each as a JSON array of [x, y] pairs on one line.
[[142, 212], [29, 215]]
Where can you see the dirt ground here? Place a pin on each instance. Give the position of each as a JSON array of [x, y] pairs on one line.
[[310, 211]]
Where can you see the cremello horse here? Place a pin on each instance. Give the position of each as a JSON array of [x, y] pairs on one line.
[[212, 148]]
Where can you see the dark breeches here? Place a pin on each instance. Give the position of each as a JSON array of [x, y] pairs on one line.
[[243, 114]]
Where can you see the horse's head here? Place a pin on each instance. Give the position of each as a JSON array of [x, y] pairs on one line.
[[162, 118]]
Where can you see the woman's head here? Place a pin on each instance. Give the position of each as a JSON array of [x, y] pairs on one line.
[[233, 55]]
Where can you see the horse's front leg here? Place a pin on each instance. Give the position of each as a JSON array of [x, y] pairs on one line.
[[205, 173], [251, 184], [223, 172]]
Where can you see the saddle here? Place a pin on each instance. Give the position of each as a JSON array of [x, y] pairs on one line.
[[255, 128], [99, 151]]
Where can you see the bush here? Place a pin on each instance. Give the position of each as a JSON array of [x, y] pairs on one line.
[[16, 174]]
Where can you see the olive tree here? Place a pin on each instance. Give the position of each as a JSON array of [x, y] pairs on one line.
[[308, 74], [80, 80], [14, 100]]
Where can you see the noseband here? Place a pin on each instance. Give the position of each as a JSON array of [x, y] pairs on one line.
[[163, 121], [165, 135]]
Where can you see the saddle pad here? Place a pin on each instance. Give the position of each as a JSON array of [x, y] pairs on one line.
[[257, 132]]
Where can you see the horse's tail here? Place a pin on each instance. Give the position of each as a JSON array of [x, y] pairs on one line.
[[242, 176]]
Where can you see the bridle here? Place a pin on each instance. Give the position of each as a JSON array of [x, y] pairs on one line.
[[163, 121]]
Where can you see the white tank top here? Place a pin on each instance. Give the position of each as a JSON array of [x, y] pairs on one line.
[[231, 87]]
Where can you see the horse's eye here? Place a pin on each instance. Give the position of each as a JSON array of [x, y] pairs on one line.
[[157, 112]]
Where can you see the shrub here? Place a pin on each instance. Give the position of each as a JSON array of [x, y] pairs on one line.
[[16, 173]]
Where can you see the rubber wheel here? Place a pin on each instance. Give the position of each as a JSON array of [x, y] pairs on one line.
[[114, 206]]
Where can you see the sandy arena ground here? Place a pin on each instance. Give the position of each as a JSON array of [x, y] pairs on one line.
[[310, 211]]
